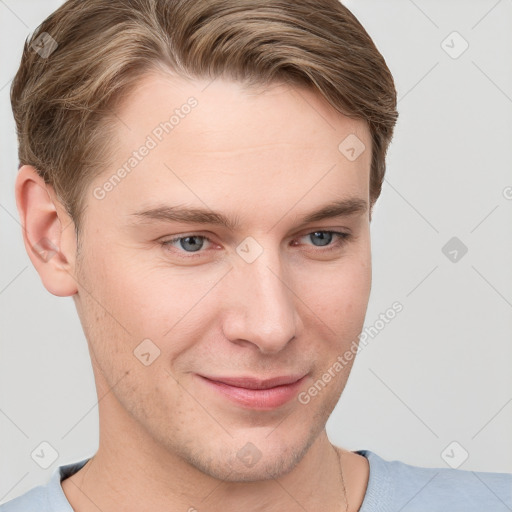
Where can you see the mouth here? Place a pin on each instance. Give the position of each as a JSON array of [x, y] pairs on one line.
[[254, 393]]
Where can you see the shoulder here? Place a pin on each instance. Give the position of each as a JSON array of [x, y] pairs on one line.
[[413, 489], [32, 500], [45, 498]]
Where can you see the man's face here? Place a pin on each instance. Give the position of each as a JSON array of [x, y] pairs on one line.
[[268, 296]]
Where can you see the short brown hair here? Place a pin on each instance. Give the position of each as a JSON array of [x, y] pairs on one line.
[[63, 102]]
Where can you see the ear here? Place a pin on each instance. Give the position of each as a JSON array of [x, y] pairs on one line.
[[48, 232]]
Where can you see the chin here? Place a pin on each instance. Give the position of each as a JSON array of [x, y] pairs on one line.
[[261, 459], [268, 467]]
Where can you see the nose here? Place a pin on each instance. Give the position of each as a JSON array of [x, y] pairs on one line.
[[261, 309]]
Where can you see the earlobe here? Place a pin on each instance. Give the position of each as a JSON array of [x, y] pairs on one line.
[[48, 232]]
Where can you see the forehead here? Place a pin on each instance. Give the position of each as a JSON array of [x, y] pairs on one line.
[[216, 141], [223, 106]]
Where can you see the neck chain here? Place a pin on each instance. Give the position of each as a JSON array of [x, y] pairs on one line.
[[338, 456]]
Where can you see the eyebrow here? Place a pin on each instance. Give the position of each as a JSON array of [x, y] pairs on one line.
[[192, 215]]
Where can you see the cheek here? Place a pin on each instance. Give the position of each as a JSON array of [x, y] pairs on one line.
[[165, 306], [338, 293], [107, 301], [134, 295]]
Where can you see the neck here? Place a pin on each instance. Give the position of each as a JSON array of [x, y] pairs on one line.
[[122, 476]]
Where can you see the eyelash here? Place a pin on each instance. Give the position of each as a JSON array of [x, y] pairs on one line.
[[343, 238]]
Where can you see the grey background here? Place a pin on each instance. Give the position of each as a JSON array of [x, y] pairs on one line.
[[439, 372]]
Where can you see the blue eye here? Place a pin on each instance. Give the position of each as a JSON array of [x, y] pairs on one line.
[[190, 244], [325, 237]]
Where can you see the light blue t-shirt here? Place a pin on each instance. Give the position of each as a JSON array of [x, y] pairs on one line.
[[393, 486]]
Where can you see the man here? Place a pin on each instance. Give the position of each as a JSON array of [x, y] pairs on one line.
[[256, 130]]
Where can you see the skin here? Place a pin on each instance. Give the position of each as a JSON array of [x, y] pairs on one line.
[[167, 441]]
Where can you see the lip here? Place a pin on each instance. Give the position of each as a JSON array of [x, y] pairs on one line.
[[254, 393]]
